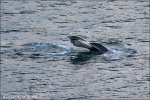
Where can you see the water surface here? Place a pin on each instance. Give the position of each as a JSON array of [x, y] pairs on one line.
[[38, 61]]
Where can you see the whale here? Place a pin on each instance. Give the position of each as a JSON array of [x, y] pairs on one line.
[[80, 42]]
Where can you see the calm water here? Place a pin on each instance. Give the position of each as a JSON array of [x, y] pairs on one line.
[[38, 61]]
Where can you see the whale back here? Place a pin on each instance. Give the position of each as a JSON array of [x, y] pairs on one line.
[[98, 47], [79, 42]]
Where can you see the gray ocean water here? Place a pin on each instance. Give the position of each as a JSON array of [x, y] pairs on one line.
[[39, 62]]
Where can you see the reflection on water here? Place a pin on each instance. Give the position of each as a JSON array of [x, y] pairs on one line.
[[37, 60]]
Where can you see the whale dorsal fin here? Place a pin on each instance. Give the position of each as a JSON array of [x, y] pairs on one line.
[[98, 47]]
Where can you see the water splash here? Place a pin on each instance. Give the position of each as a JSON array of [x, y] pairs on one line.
[[45, 48], [54, 49], [117, 54], [63, 50]]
